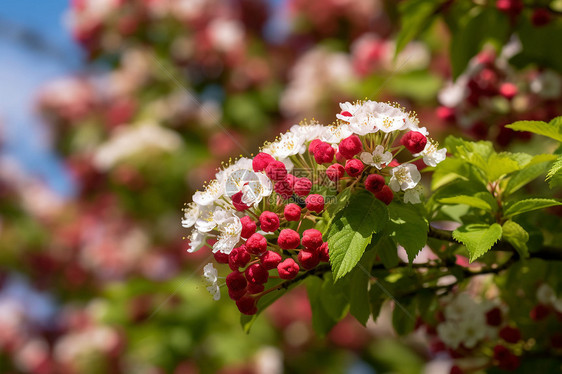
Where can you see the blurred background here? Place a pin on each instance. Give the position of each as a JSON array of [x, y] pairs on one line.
[[113, 112]]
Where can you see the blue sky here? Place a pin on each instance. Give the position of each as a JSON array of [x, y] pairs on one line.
[[23, 69]]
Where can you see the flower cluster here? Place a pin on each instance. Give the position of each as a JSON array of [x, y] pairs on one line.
[[263, 214]]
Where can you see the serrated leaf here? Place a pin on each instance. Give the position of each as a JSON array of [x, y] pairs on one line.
[[516, 235], [359, 305], [408, 226], [377, 297], [500, 164], [334, 298], [387, 250], [452, 169], [478, 238], [554, 176], [471, 201], [529, 205], [352, 229], [322, 323], [404, 316], [553, 129], [532, 170], [416, 16]]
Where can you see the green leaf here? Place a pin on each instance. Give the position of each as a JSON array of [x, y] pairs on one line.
[[359, 288], [377, 297], [500, 164], [554, 176], [322, 323], [516, 235], [417, 16], [471, 201], [536, 167], [334, 297], [529, 205], [408, 226], [488, 25], [553, 129], [404, 315], [478, 238], [387, 250], [352, 229]]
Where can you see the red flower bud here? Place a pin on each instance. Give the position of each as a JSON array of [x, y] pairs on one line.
[[354, 167], [315, 203], [494, 317], [292, 212], [256, 244], [276, 171], [257, 273], [308, 259], [324, 253], [289, 239], [312, 239], [270, 260], [385, 195], [350, 146], [414, 141], [238, 258], [247, 305], [261, 160], [510, 334], [248, 227], [236, 281], [335, 172], [269, 221], [302, 186], [288, 269], [221, 258], [374, 183], [324, 153]]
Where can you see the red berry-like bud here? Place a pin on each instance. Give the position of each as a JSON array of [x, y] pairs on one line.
[[541, 17], [556, 340], [257, 273], [247, 305], [236, 281], [248, 227], [350, 146], [312, 239], [315, 203], [291, 179], [312, 146], [237, 202], [345, 113], [354, 167], [324, 153], [510, 334], [269, 221], [445, 114], [414, 141], [292, 212], [256, 244], [508, 90], [289, 239], [324, 253], [385, 195], [374, 183], [261, 160], [284, 189], [511, 7], [270, 260], [494, 317], [308, 259], [340, 158], [288, 269], [276, 171], [393, 163], [335, 172], [238, 258], [254, 288], [539, 312], [221, 258], [236, 294], [302, 186]]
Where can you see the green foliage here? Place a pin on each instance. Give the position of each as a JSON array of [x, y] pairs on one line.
[[528, 205], [417, 16], [552, 129], [359, 279], [478, 238], [516, 235], [554, 176], [408, 227], [352, 229]]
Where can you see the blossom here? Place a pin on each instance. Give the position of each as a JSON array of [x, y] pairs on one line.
[[349, 108], [211, 277], [431, 155], [212, 192], [373, 116], [196, 241], [404, 177], [379, 158], [545, 294], [450, 334], [335, 133], [190, 215], [230, 230], [413, 195]]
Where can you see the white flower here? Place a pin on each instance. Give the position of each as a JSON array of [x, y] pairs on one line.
[[473, 330], [545, 294], [460, 307], [212, 192], [211, 277], [547, 85], [413, 195], [348, 107], [307, 132], [196, 241], [288, 144], [334, 134], [229, 229], [210, 273], [206, 220], [450, 334], [373, 116], [404, 177], [190, 215], [557, 305], [431, 155], [379, 158]]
